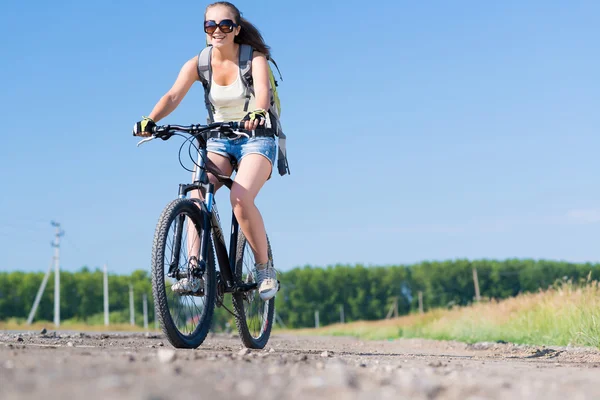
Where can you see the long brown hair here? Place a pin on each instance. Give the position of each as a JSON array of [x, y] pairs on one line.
[[249, 34]]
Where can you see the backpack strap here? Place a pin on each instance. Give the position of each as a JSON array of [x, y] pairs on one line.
[[246, 52], [205, 75], [278, 71]]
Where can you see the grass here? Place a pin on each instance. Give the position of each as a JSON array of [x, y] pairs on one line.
[[566, 314], [68, 325]]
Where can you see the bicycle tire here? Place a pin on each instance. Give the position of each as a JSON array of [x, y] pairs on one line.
[[159, 289], [268, 307]]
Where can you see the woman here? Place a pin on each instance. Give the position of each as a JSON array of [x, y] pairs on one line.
[[255, 156]]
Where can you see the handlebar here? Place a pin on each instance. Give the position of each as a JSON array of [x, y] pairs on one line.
[[165, 132]]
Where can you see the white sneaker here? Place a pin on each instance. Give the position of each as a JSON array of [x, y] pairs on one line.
[[189, 286], [266, 278], [186, 285]]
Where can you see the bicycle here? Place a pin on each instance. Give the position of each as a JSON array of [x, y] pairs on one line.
[[203, 283]]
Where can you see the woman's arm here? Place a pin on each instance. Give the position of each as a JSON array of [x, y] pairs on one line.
[[260, 78]]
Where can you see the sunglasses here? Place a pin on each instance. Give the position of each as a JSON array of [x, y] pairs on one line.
[[225, 26]]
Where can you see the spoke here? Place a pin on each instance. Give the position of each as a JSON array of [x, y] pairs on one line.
[[178, 301], [187, 317], [198, 312]]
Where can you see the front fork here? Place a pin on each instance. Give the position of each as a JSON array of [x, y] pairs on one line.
[[174, 264], [200, 181]]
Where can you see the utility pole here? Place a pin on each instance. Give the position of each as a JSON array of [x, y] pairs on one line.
[[341, 313], [106, 322], [40, 292], [420, 302], [56, 246], [476, 283], [316, 318], [131, 311]]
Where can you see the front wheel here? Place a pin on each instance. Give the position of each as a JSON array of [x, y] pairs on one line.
[[184, 288], [254, 317]]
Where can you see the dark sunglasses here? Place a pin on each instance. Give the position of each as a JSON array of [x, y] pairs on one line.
[[225, 26]]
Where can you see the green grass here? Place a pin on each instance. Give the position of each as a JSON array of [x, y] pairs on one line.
[[567, 314]]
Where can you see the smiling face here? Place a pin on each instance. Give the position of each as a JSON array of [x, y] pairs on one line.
[[218, 14]]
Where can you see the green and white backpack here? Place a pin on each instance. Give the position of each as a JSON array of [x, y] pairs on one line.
[[245, 62]]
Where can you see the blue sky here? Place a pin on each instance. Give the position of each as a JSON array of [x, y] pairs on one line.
[[416, 131]]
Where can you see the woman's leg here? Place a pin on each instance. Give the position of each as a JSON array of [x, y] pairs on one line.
[[253, 172]]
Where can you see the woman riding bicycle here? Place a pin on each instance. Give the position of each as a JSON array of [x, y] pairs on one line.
[[252, 157]]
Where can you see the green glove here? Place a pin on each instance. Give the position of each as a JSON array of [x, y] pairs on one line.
[[260, 115], [145, 125]]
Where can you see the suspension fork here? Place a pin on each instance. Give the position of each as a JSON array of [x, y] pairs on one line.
[[235, 229], [206, 225], [173, 266]]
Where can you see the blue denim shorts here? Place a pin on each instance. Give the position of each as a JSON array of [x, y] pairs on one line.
[[236, 149]]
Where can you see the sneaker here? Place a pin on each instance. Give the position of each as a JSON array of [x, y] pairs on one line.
[[266, 278], [186, 285]]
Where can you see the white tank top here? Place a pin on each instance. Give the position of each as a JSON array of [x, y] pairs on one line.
[[229, 101]]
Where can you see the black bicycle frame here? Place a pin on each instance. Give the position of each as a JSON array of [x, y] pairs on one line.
[[212, 223]]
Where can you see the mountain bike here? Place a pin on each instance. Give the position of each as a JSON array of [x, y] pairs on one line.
[[186, 285]]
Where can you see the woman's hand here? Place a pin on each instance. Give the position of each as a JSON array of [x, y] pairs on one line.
[[254, 119], [144, 127]]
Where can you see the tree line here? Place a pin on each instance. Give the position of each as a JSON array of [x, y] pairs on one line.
[[81, 296], [368, 293], [356, 292]]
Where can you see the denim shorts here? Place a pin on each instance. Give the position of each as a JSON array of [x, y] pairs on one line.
[[236, 149]]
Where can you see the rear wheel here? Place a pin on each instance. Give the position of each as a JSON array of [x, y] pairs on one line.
[[254, 317], [185, 314]]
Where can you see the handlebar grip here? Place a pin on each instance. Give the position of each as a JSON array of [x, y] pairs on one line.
[[242, 124]]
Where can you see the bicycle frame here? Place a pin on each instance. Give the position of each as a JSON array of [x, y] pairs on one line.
[[212, 223]]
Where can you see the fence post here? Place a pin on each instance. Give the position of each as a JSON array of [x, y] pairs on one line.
[[476, 283], [145, 305], [131, 310]]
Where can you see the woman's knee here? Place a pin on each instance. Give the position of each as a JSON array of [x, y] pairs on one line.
[[196, 194], [215, 181]]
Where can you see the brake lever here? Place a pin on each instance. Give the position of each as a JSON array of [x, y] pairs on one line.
[[238, 134], [227, 129], [141, 142]]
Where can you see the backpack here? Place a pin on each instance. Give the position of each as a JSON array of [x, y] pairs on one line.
[[245, 63]]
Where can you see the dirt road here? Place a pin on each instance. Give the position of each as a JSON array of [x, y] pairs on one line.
[[113, 366]]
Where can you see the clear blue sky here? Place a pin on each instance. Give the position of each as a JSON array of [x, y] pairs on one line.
[[416, 130]]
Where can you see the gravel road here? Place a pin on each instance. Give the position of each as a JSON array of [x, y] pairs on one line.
[[93, 366]]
